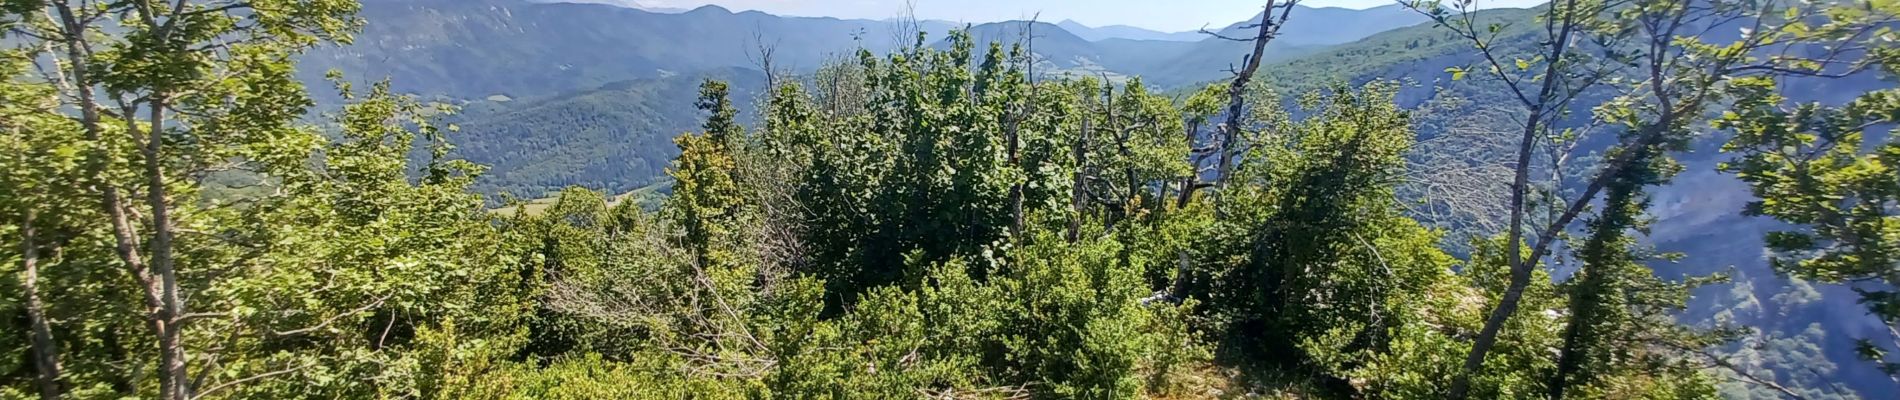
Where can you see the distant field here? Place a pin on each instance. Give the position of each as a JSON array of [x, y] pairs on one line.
[[648, 197]]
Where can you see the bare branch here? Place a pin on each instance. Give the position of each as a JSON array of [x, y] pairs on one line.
[[327, 321], [231, 384]]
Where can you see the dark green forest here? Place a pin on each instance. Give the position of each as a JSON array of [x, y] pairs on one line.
[[1479, 206]]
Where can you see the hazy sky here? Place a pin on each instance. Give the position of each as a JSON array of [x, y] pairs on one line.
[[1165, 15]]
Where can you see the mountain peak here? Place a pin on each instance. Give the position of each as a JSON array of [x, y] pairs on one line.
[[710, 9], [615, 3], [632, 4]]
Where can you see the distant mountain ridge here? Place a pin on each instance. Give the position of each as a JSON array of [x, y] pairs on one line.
[[1310, 26], [471, 49], [1308, 30], [1100, 33], [1059, 52], [620, 3], [1173, 63], [474, 49]]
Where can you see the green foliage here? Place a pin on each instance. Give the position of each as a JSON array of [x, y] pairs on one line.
[[1075, 323], [931, 223], [325, 285], [567, 239], [1060, 319], [420, 258], [318, 286], [1815, 166], [587, 377], [707, 200], [1521, 364], [923, 167], [46, 155], [1321, 264], [1619, 337]]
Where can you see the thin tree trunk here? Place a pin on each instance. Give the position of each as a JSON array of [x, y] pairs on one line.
[[45, 349], [1177, 286], [1583, 309], [1514, 257], [1190, 183], [174, 379], [1229, 132], [1012, 136], [124, 232], [1112, 215], [1015, 136], [1600, 259], [1078, 196], [1521, 268], [1016, 189], [1237, 90], [1648, 137]]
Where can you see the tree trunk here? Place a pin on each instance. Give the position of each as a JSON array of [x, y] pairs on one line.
[[1015, 189], [1601, 278], [1237, 90], [45, 350], [1192, 182], [1015, 137], [1078, 196], [124, 231], [1521, 268], [1228, 133], [174, 379], [1571, 355], [1639, 146], [1514, 257]]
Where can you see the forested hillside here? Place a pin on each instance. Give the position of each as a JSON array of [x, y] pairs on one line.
[[1655, 199], [474, 49], [615, 138]]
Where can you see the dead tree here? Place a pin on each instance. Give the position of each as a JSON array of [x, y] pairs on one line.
[[1273, 16]]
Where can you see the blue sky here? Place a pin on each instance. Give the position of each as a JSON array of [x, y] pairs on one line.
[[1164, 15]]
